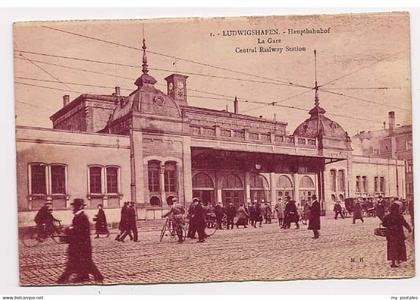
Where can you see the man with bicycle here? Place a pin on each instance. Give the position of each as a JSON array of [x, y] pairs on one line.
[[176, 215], [44, 220]]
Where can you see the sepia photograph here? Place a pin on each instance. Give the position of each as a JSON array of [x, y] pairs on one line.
[[193, 150]]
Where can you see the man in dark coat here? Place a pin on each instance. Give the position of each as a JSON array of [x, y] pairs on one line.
[[380, 209], [219, 212], [79, 252], [258, 214], [357, 212], [338, 210], [315, 217], [291, 213], [230, 215], [123, 226], [191, 228], [44, 220], [101, 225], [131, 223], [252, 214], [199, 220]]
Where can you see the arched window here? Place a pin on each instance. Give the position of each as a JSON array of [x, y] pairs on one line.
[[259, 188], [284, 182], [155, 201], [233, 191], [284, 187], [232, 181], [153, 168], [333, 180], [306, 183], [203, 188], [170, 177], [202, 180], [257, 181], [306, 189]]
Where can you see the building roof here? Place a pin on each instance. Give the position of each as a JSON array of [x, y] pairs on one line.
[[318, 124]]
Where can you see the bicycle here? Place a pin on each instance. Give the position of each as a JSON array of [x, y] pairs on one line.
[[169, 227], [33, 235]]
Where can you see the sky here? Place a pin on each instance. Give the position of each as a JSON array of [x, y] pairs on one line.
[[364, 56]]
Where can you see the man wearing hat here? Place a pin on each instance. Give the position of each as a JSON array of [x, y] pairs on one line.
[[191, 228], [131, 224], [230, 215], [79, 260], [45, 220], [315, 217], [199, 221], [176, 214]]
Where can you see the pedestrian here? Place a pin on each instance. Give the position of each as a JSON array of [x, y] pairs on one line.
[[242, 216], [291, 213], [357, 212], [394, 222], [101, 226], [79, 252], [219, 212], [279, 211], [199, 220], [252, 214], [123, 225], [306, 212], [338, 210], [176, 215], [44, 220], [191, 228], [380, 209], [230, 215], [315, 217], [267, 213], [258, 214], [131, 224]]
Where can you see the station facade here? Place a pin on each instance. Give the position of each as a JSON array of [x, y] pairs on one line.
[[151, 146]]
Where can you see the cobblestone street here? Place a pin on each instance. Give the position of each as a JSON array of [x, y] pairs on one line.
[[266, 253]]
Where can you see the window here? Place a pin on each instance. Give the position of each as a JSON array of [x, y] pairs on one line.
[[112, 180], [376, 183], [38, 179], [58, 179], [170, 177], [154, 176], [155, 201], [341, 181], [382, 184], [95, 180], [47, 182], [365, 184], [358, 188], [333, 177]]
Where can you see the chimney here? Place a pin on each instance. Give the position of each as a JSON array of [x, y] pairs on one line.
[[66, 100], [391, 120], [117, 91], [235, 106]]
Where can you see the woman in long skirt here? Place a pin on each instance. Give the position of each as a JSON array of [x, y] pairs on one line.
[[394, 222], [101, 225]]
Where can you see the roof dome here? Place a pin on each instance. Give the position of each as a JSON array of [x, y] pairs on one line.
[[319, 125], [147, 99]]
